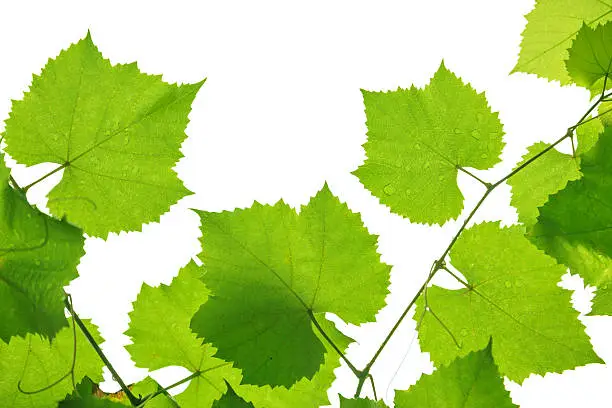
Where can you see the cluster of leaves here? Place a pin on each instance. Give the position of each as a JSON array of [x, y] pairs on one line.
[[270, 273]]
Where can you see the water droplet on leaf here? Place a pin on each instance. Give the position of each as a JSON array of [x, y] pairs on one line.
[[389, 189]]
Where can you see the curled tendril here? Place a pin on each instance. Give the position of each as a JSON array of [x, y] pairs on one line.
[[42, 244], [70, 373]]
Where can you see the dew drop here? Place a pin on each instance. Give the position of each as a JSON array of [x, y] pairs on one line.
[[389, 189], [508, 284], [458, 131], [475, 134], [440, 178], [417, 146], [37, 262], [126, 140], [484, 156], [464, 332], [519, 283]]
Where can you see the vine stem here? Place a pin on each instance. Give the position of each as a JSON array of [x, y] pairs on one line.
[[135, 401], [440, 262]]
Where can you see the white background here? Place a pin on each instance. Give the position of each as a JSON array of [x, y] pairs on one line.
[[280, 113]]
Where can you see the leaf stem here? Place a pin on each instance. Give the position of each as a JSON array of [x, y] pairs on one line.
[[331, 343], [135, 401], [52, 172], [484, 183]]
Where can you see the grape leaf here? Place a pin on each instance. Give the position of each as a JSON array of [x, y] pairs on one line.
[[551, 27], [164, 313], [114, 131], [160, 332], [469, 382], [38, 257], [83, 397], [37, 364], [360, 403], [231, 400], [271, 270], [305, 393], [574, 225], [590, 57], [416, 140], [512, 297], [543, 177]]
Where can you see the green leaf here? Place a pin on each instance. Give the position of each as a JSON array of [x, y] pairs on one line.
[[38, 257], [469, 382], [115, 132], [543, 177], [551, 27], [270, 270], [305, 393], [360, 403], [590, 58], [416, 140], [574, 225], [231, 400], [36, 363], [83, 398], [161, 337], [512, 297]]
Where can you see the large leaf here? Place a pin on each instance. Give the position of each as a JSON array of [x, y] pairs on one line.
[[37, 364], [512, 298], [416, 140], [551, 27], [574, 225], [115, 132], [271, 271], [469, 382], [38, 257], [590, 58]]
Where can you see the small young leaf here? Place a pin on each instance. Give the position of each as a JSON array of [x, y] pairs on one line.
[[590, 58], [115, 132], [469, 382], [360, 403], [83, 397], [512, 298], [270, 270], [416, 140], [38, 257], [549, 34], [33, 364], [231, 400], [543, 177], [574, 225]]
